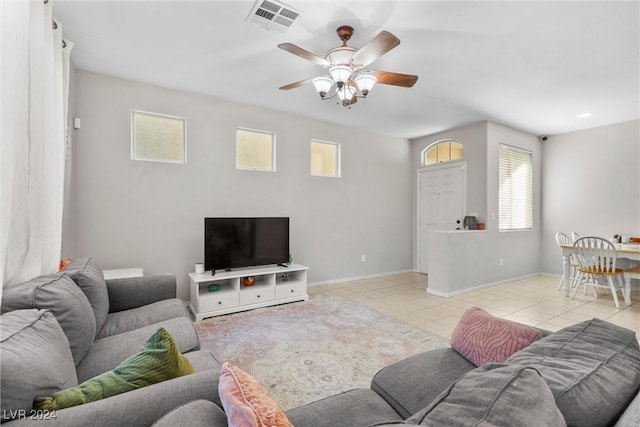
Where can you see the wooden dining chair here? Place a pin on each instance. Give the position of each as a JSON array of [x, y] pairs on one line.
[[563, 240], [596, 258]]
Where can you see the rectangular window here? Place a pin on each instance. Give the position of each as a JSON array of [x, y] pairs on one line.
[[325, 158], [255, 150], [158, 138], [516, 188]]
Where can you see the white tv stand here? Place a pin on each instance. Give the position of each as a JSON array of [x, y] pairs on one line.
[[273, 285]]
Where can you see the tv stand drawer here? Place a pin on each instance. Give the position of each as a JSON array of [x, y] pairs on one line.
[[291, 290], [217, 301], [256, 295]]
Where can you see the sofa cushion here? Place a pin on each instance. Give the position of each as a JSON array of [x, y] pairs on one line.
[[411, 384], [203, 360], [106, 353], [481, 337], [36, 359], [195, 413], [135, 318], [355, 408], [66, 301], [493, 395], [158, 360], [86, 274], [592, 368], [246, 402]]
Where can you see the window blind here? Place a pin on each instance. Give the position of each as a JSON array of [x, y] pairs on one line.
[[516, 188]]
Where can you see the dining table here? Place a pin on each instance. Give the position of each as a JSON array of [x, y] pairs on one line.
[[629, 251]]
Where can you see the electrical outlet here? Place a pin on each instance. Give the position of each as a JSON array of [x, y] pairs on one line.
[[363, 258], [501, 262]]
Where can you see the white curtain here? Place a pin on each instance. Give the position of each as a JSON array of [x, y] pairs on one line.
[[34, 73]]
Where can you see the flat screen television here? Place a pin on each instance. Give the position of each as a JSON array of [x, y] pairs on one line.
[[245, 242]]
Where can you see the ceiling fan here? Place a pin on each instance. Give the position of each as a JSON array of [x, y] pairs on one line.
[[348, 79]]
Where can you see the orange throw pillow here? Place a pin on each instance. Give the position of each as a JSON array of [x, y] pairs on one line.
[[246, 402]]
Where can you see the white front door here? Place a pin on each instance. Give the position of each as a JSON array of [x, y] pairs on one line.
[[441, 204]]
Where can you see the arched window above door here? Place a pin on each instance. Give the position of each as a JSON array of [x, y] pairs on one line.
[[445, 150]]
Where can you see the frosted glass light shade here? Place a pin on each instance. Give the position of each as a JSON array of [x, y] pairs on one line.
[[365, 82], [346, 93], [322, 85], [340, 74]]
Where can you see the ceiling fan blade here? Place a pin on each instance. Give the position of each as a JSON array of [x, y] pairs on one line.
[[378, 46], [395, 79], [296, 84], [292, 48]]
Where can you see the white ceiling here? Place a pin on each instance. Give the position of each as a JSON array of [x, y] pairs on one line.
[[531, 65]]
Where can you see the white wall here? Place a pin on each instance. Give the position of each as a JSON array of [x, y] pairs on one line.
[[127, 213], [473, 258], [474, 141], [147, 214], [518, 249], [591, 182], [70, 195]]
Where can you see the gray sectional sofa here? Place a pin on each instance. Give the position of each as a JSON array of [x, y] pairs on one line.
[[585, 375], [62, 329]]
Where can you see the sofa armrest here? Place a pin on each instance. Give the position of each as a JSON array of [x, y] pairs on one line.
[[132, 292], [631, 415], [141, 407]]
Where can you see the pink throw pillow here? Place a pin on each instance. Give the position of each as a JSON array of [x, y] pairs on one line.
[[246, 402], [482, 338]]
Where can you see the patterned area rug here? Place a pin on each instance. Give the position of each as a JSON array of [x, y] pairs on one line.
[[302, 352]]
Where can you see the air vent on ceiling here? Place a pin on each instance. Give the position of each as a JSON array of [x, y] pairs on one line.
[[273, 15]]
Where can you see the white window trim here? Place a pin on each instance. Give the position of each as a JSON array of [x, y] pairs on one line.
[[529, 153], [423, 161], [133, 137], [273, 150], [338, 159]]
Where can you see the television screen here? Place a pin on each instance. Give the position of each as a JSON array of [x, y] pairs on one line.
[[245, 242]]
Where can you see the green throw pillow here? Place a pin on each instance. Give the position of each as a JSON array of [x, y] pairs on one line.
[[157, 361]]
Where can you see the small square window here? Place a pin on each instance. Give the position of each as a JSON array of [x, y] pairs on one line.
[[158, 138], [325, 159], [255, 150]]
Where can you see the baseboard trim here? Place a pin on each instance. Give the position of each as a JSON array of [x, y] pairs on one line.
[[479, 287], [350, 279], [635, 284]]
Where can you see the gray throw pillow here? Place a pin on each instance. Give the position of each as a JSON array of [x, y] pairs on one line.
[[592, 368], [66, 301], [36, 360], [493, 395], [89, 277]]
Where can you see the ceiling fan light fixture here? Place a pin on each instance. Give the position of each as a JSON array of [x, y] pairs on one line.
[[348, 77], [340, 74], [323, 85], [365, 82]]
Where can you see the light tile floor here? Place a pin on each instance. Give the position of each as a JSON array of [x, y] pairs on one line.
[[534, 301]]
